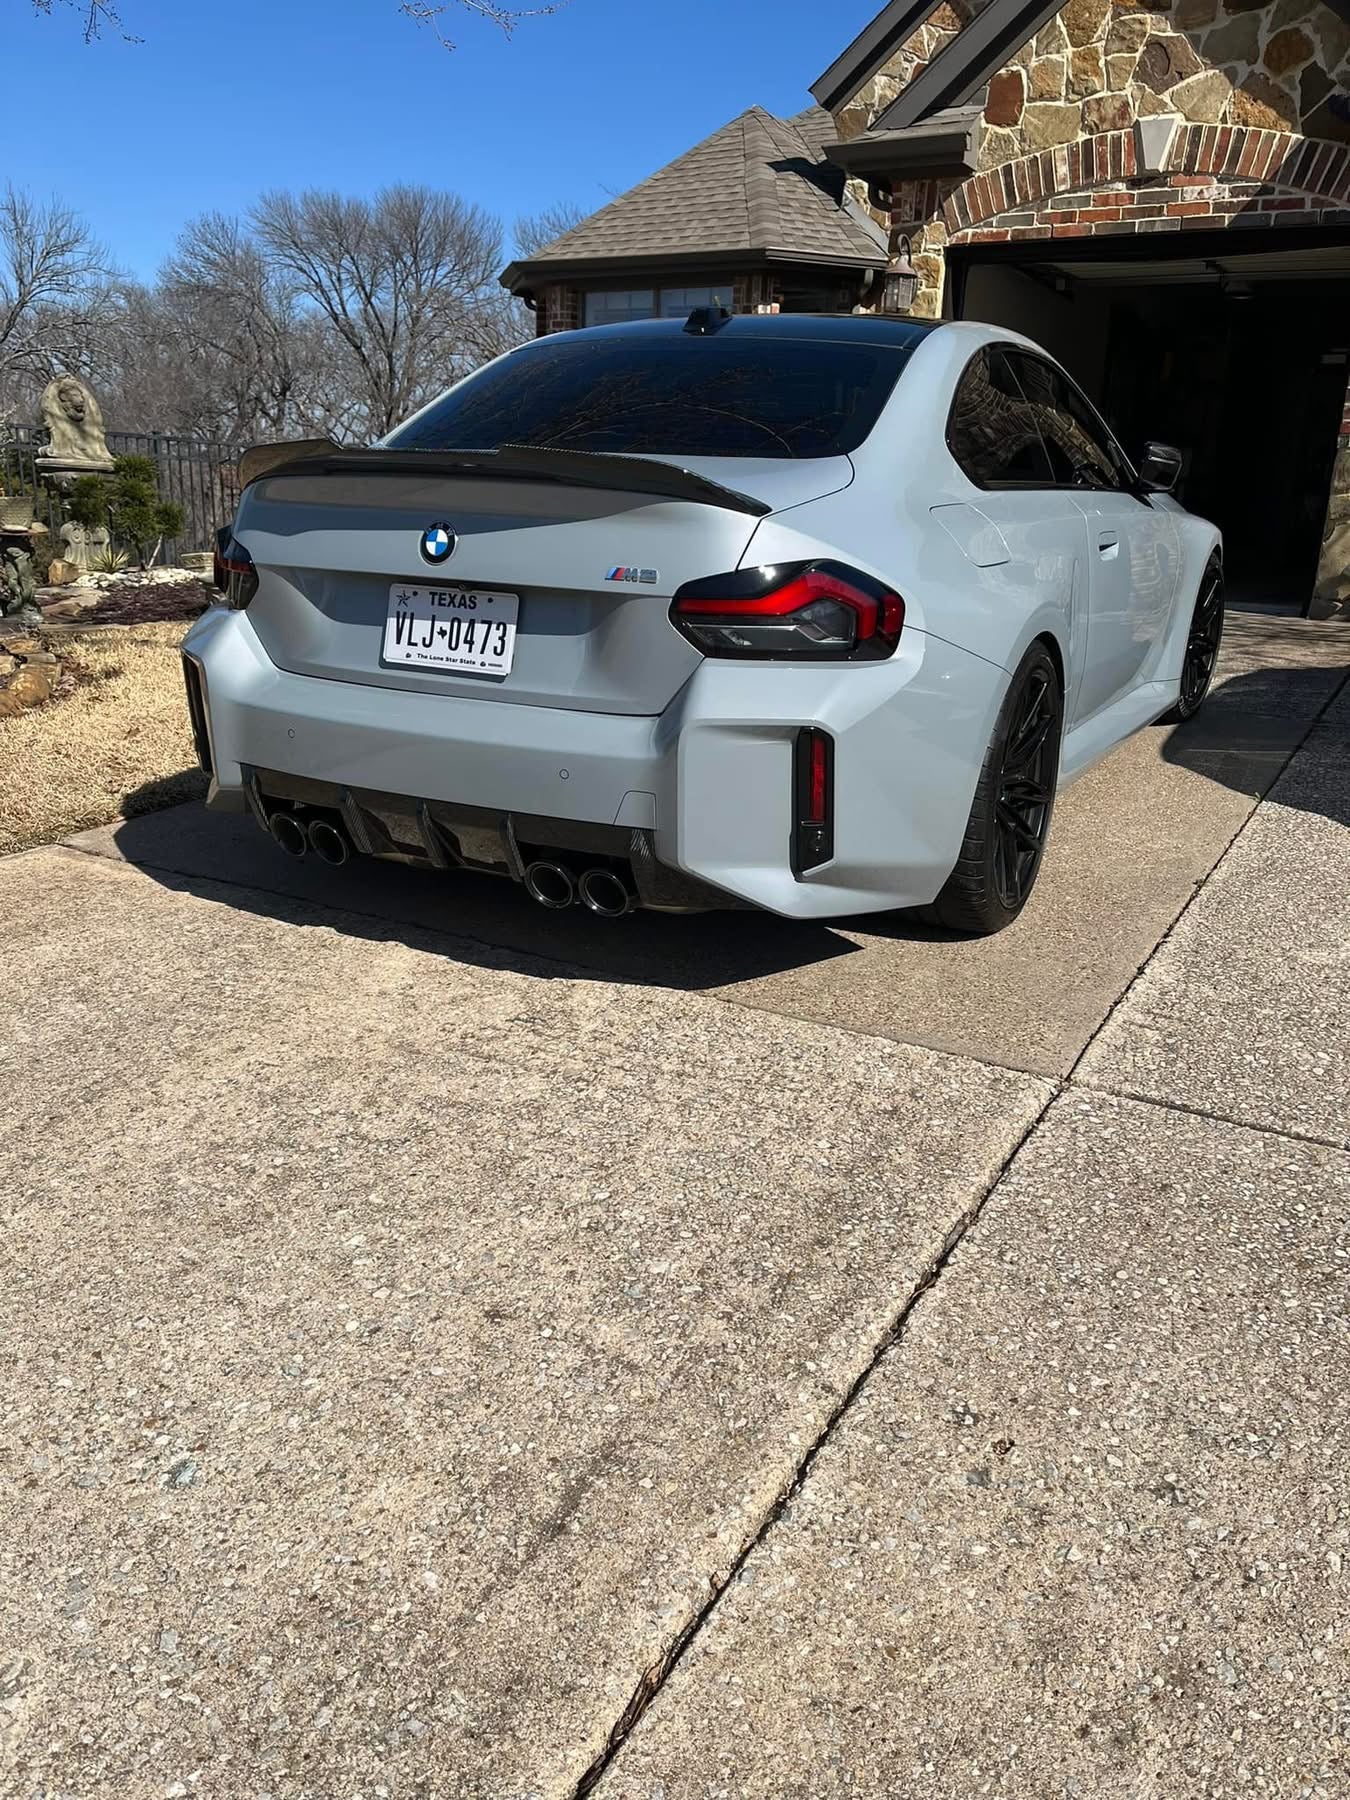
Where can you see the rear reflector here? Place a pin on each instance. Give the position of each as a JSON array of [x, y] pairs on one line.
[[809, 612], [813, 800]]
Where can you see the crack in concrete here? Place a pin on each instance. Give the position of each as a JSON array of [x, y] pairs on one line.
[[655, 1677]]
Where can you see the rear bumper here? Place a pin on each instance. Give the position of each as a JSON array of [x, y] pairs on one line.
[[705, 787]]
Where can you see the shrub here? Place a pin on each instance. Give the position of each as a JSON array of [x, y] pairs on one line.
[[136, 514], [87, 502]]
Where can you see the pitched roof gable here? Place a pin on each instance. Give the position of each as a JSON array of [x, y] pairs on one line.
[[965, 64], [759, 184], [871, 50]]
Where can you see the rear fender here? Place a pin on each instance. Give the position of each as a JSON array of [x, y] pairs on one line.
[[1199, 540]]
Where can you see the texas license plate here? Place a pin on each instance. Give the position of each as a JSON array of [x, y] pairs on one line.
[[469, 630]]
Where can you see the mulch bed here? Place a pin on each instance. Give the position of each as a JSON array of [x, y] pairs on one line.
[[148, 603]]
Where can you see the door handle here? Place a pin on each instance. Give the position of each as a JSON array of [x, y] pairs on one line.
[[1108, 544]]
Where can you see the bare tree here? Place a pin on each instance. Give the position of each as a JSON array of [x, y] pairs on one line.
[[57, 300], [404, 283], [427, 12], [96, 16], [533, 232], [238, 319]]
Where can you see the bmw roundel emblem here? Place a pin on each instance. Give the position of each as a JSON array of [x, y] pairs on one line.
[[438, 543]]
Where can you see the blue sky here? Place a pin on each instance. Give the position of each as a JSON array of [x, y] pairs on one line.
[[224, 98]]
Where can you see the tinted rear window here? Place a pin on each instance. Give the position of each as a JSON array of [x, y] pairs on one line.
[[668, 395]]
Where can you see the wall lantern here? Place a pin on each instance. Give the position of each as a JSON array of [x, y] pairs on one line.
[[902, 281]]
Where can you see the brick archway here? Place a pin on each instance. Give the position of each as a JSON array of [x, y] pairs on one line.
[[1280, 171]]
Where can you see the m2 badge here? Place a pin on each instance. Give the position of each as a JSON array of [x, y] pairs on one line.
[[625, 572]]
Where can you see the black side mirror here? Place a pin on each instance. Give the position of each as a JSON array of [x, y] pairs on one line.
[[1160, 468]]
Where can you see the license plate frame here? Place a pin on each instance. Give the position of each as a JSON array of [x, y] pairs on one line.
[[449, 630]]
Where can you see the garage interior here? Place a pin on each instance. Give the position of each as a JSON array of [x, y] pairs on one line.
[[1238, 356]]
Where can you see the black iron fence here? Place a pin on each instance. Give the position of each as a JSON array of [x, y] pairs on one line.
[[202, 477]]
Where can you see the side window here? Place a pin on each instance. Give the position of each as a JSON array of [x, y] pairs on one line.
[[1081, 454], [992, 431]]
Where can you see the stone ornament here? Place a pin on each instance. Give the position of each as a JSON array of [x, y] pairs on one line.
[[18, 586], [85, 544], [76, 444]]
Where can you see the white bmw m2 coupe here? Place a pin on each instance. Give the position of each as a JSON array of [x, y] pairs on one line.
[[805, 613]]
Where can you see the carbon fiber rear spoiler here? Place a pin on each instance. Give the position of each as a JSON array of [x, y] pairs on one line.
[[518, 462]]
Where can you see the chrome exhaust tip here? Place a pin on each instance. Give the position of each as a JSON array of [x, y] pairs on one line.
[[606, 894], [289, 833], [551, 885], [329, 844]]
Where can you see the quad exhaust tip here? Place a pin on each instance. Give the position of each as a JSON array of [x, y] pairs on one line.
[[328, 843], [289, 833], [605, 893], [551, 885]]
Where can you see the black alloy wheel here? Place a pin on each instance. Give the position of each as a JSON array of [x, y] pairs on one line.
[[1202, 645], [1026, 789], [1014, 799]]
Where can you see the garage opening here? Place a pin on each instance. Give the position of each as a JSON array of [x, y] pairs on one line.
[[1239, 357]]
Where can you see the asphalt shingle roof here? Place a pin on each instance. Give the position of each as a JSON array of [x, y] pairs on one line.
[[760, 183]]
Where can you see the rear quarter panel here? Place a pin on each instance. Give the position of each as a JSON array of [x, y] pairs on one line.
[[958, 585]]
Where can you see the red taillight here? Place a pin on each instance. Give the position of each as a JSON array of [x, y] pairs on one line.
[[813, 800], [804, 611], [235, 575]]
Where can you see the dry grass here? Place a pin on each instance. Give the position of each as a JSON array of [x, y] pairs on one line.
[[119, 743]]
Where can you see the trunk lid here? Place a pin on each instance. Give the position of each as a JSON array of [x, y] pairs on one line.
[[330, 541]]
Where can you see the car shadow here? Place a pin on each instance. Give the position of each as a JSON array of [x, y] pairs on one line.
[[476, 918], [1244, 739], [1253, 724]]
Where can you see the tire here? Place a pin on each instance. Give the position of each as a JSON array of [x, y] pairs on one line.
[[1014, 798], [1203, 639]]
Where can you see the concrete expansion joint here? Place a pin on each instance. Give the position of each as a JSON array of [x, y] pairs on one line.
[[655, 1677], [1123, 998]]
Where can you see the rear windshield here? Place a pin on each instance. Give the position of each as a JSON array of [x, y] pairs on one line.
[[668, 395]]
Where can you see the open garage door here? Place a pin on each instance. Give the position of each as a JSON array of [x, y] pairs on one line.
[[1239, 356]]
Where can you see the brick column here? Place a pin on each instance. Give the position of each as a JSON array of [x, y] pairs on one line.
[[557, 309]]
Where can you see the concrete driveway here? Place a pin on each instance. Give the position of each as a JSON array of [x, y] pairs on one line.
[[451, 1350]]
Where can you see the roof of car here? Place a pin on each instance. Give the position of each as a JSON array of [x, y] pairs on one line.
[[828, 328]]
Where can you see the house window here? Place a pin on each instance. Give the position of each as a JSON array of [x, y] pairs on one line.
[[616, 305], [678, 303], [613, 306]]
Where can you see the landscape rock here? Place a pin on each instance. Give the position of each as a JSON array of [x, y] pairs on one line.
[[69, 607], [32, 684]]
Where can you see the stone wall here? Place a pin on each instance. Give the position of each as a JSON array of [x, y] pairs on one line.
[[1099, 65]]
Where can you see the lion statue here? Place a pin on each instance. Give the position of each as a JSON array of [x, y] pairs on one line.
[[74, 421]]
